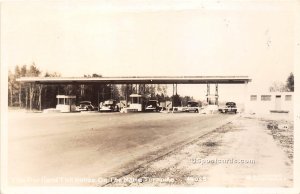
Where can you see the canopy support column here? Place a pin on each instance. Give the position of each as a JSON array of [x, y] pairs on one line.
[[111, 91], [98, 96], [30, 96], [26, 96], [20, 97], [217, 94], [126, 95], [40, 96], [208, 93], [173, 98], [103, 88]]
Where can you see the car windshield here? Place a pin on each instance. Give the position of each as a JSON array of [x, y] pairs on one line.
[[192, 104], [85, 103], [151, 103], [230, 104], [108, 102]]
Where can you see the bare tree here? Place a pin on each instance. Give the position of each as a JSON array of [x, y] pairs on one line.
[[278, 87], [281, 87], [11, 83]]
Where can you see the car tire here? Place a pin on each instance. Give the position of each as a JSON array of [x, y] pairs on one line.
[[196, 111]]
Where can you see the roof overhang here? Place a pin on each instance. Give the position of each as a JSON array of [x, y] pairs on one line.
[[139, 80], [65, 96], [135, 95]]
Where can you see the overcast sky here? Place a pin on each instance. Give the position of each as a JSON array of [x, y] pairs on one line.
[[130, 37]]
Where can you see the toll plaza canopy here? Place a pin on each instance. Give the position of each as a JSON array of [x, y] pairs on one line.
[[139, 80]]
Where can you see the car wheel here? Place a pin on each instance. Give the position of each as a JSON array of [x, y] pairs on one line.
[[196, 111]]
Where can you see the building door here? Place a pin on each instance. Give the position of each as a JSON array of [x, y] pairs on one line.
[[278, 102]]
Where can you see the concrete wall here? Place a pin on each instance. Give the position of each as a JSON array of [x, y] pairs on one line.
[[272, 101]]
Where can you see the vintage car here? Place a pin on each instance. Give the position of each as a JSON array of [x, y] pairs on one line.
[[230, 107], [85, 106], [192, 107], [153, 105], [109, 106]]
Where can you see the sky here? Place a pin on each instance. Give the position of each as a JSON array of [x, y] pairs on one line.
[[142, 37]]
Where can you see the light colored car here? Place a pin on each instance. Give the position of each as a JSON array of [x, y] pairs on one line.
[[85, 106], [192, 107], [109, 106], [230, 107]]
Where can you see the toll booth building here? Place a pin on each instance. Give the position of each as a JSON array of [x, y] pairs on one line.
[[272, 102], [66, 103]]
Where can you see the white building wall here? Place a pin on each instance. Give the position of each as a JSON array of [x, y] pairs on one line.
[[284, 103]]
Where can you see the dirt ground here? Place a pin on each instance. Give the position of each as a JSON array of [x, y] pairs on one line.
[[247, 152]]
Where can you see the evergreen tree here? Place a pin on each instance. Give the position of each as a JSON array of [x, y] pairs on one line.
[[290, 82]]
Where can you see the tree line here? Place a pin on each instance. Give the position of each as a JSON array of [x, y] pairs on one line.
[[44, 96], [283, 87]]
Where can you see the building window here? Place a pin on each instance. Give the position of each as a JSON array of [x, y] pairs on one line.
[[61, 101], [265, 97], [288, 97], [253, 97]]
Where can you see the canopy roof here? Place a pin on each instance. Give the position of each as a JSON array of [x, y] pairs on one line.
[[65, 96], [138, 80]]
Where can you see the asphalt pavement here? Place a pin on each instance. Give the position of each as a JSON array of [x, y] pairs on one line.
[[46, 148]]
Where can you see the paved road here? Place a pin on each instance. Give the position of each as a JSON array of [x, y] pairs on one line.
[[97, 145]]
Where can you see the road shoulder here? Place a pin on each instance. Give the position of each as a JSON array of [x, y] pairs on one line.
[[241, 153]]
